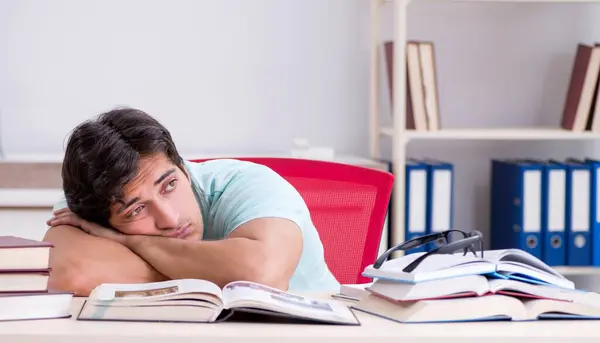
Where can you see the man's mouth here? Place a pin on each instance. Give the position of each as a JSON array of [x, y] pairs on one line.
[[181, 232]]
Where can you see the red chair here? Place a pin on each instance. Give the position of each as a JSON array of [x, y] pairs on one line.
[[348, 205]]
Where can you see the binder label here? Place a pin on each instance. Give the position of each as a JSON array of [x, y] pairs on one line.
[[442, 194], [418, 200], [557, 183], [580, 206], [532, 201]]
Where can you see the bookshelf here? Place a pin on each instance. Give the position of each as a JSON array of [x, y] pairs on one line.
[[400, 136], [494, 134]]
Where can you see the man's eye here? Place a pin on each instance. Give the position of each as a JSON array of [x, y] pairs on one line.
[[136, 211], [171, 185]]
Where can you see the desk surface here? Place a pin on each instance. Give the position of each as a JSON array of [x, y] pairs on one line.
[[71, 330]]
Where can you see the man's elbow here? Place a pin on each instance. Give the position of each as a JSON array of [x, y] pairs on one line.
[[267, 270], [71, 279]]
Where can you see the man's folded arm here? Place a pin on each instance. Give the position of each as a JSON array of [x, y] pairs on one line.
[[80, 262], [263, 250]]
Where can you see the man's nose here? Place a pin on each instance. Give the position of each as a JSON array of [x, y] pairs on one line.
[[167, 217]]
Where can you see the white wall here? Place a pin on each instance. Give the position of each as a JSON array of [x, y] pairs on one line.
[[280, 69], [24, 222], [236, 75]]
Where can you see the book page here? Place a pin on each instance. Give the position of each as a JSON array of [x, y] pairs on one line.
[[516, 261], [552, 309], [529, 290], [154, 290], [242, 294], [519, 257]]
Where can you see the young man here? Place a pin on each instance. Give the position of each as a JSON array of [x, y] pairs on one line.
[[135, 211]]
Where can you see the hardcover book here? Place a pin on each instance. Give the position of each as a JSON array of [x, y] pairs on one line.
[[194, 300]]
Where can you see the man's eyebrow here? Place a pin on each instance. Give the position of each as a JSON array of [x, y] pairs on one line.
[[164, 176], [134, 200], [126, 205]]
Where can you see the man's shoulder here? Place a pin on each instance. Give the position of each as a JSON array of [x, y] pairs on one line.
[[225, 169], [216, 165], [216, 175]]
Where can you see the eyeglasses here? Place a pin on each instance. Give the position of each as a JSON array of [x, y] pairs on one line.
[[467, 243]]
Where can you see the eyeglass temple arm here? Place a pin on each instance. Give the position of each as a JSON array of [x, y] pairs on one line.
[[405, 246], [385, 255], [466, 243]]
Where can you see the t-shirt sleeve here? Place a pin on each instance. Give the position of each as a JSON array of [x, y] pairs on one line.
[[258, 192]]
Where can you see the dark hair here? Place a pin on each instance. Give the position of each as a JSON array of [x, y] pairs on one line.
[[103, 155]]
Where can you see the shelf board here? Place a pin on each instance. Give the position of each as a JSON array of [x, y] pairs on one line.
[[506, 1], [496, 134], [575, 270]]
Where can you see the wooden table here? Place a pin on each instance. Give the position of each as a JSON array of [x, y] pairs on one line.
[[373, 329]]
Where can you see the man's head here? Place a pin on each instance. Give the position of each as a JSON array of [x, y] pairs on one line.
[[122, 170]]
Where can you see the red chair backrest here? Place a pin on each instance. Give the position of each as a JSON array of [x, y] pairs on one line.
[[348, 205]]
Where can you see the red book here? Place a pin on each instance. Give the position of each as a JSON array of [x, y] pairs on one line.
[[22, 254]]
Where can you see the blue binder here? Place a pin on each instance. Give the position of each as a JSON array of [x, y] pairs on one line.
[[594, 212], [515, 205], [553, 213], [415, 202], [440, 192], [577, 213]]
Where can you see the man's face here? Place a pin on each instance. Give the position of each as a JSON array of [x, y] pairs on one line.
[[159, 201]]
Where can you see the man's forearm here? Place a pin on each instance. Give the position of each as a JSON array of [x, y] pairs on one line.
[[220, 261], [81, 262]]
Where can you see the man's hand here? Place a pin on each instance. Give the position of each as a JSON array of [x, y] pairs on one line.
[[80, 262], [66, 217]]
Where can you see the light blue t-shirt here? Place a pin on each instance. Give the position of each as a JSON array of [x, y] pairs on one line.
[[232, 192]]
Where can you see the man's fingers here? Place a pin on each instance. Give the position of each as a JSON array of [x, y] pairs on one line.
[[59, 214], [54, 219], [60, 211], [64, 214], [89, 227], [69, 219]]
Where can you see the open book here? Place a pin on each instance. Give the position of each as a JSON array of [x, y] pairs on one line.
[[467, 286], [490, 307], [192, 300], [513, 264]]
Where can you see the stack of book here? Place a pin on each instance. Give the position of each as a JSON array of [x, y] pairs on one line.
[[504, 285], [24, 274]]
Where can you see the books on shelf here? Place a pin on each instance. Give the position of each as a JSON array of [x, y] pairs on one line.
[[582, 104], [193, 300], [24, 273], [547, 208], [580, 112], [422, 101]]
